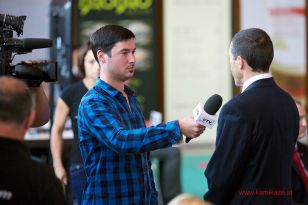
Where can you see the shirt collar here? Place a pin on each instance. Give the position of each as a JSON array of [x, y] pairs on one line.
[[111, 90], [254, 79]]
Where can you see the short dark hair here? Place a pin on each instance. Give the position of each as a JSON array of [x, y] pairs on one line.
[[15, 100], [107, 36], [85, 47], [255, 46]]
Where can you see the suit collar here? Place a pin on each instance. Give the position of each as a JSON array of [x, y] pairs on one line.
[[261, 83], [255, 78]]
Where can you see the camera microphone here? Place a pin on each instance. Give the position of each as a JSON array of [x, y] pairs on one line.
[[28, 44], [34, 43]]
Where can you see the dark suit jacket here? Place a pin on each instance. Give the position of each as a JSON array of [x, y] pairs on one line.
[[300, 196], [256, 135]]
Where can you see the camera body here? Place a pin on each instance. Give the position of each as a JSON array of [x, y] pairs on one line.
[[32, 73]]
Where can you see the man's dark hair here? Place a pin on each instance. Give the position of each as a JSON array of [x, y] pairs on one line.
[[15, 100], [255, 46], [107, 36]]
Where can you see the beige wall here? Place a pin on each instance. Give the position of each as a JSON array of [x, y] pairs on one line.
[[196, 40]]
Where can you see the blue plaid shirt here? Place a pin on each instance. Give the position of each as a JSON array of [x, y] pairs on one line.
[[115, 146]]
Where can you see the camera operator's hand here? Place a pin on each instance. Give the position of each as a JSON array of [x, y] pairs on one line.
[[34, 72], [42, 109], [41, 103], [33, 62], [30, 72]]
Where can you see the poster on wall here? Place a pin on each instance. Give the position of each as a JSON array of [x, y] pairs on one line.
[[140, 18], [285, 22]]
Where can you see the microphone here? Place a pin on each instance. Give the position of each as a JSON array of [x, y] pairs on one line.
[[28, 44], [206, 116], [35, 43]]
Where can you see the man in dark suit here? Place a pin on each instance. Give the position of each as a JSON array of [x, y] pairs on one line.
[[256, 133], [300, 163]]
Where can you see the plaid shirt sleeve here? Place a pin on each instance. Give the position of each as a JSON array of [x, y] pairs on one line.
[[124, 131]]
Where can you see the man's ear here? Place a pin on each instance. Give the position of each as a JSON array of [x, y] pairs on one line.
[[240, 62], [29, 120], [102, 56]]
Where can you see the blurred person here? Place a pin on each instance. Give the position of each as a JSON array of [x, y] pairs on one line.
[[114, 140], [257, 131], [169, 172], [67, 105], [302, 120], [187, 199], [23, 180], [300, 163]]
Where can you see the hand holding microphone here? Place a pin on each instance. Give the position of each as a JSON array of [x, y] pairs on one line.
[[205, 116], [189, 127]]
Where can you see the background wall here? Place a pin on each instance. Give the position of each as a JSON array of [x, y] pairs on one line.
[[196, 41]]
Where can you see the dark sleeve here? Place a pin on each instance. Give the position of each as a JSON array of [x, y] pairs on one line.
[[227, 164], [67, 95]]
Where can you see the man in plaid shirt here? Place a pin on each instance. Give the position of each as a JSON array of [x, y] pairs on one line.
[[114, 141]]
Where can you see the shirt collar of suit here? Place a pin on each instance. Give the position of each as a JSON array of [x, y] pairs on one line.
[[254, 79]]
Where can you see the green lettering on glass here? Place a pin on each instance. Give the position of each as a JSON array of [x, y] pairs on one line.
[[120, 6]]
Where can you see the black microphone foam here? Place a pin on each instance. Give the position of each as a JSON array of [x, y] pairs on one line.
[[211, 106], [35, 43]]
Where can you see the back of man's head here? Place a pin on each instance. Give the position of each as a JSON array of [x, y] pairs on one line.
[[255, 46], [15, 100]]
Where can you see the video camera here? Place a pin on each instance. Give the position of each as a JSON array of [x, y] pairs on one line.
[[33, 74]]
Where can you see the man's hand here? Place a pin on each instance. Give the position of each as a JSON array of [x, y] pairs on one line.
[[190, 128], [34, 62]]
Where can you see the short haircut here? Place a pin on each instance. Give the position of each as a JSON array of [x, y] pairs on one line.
[[15, 100], [107, 36], [255, 46]]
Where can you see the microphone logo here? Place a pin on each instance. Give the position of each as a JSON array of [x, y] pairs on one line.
[[209, 122], [203, 118]]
